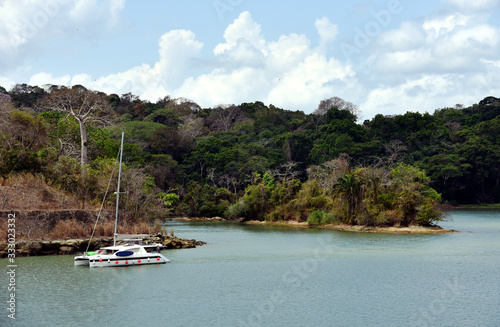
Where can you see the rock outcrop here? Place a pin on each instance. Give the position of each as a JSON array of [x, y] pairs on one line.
[[173, 242], [74, 246]]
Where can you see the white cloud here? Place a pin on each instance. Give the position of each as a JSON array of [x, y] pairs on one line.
[[491, 63], [286, 72], [420, 65], [287, 52], [425, 92], [451, 58], [481, 40], [47, 78], [91, 17], [176, 49], [314, 79], [221, 86], [327, 32], [408, 37], [476, 4], [453, 43], [437, 26], [27, 24], [244, 27], [6, 82]]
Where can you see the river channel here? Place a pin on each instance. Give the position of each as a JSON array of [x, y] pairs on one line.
[[277, 276]]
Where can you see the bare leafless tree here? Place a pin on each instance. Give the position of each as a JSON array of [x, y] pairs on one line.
[[334, 102], [211, 175], [395, 150], [228, 181], [453, 127], [191, 129], [327, 173], [223, 119], [5, 103], [84, 105], [285, 172], [5, 110]]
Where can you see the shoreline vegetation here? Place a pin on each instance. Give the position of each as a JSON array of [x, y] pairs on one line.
[[26, 248], [413, 229], [478, 206]]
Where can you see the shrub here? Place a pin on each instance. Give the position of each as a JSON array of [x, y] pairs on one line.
[[429, 213], [69, 228], [328, 218], [388, 217], [238, 210], [321, 218], [314, 218]]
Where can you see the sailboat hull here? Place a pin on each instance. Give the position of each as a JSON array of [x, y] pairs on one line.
[[131, 260], [81, 260]]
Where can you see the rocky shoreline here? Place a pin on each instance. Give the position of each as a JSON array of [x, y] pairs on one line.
[[74, 246], [359, 228], [414, 229], [206, 219]]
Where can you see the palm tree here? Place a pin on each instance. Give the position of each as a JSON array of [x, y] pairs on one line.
[[348, 187]]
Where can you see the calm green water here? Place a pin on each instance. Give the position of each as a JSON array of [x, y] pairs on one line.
[[275, 276]]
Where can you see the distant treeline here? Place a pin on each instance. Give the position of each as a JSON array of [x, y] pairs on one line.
[[204, 161]]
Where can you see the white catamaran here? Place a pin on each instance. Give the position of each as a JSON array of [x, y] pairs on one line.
[[132, 253]]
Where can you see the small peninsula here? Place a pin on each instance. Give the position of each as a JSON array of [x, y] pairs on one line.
[[414, 229]]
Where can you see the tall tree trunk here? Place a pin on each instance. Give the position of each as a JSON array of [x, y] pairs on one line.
[[83, 135]]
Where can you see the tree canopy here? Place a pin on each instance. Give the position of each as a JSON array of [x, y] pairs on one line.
[[261, 161], [86, 106]]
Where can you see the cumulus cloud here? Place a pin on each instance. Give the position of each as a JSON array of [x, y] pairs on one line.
[[430, 92], [475, 5], [286, 72], [27, 24], [449, 57], [419, 65], [316, 77], [327, 32], [176, 49], [222, 86], [6, 82], [435, 27], [243, 28], [47, 78], [449, 44], [412, 95], [90, 12]]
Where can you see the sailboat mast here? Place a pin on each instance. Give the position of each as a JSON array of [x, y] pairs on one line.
[[118, 190]]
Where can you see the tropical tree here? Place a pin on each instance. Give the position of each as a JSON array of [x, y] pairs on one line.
[[348, 188], [84, 105], [414, 200]]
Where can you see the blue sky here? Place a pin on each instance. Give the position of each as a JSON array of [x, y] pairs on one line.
[[387, 57]]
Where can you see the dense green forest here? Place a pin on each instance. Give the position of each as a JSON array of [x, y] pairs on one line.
[[254, 160]]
